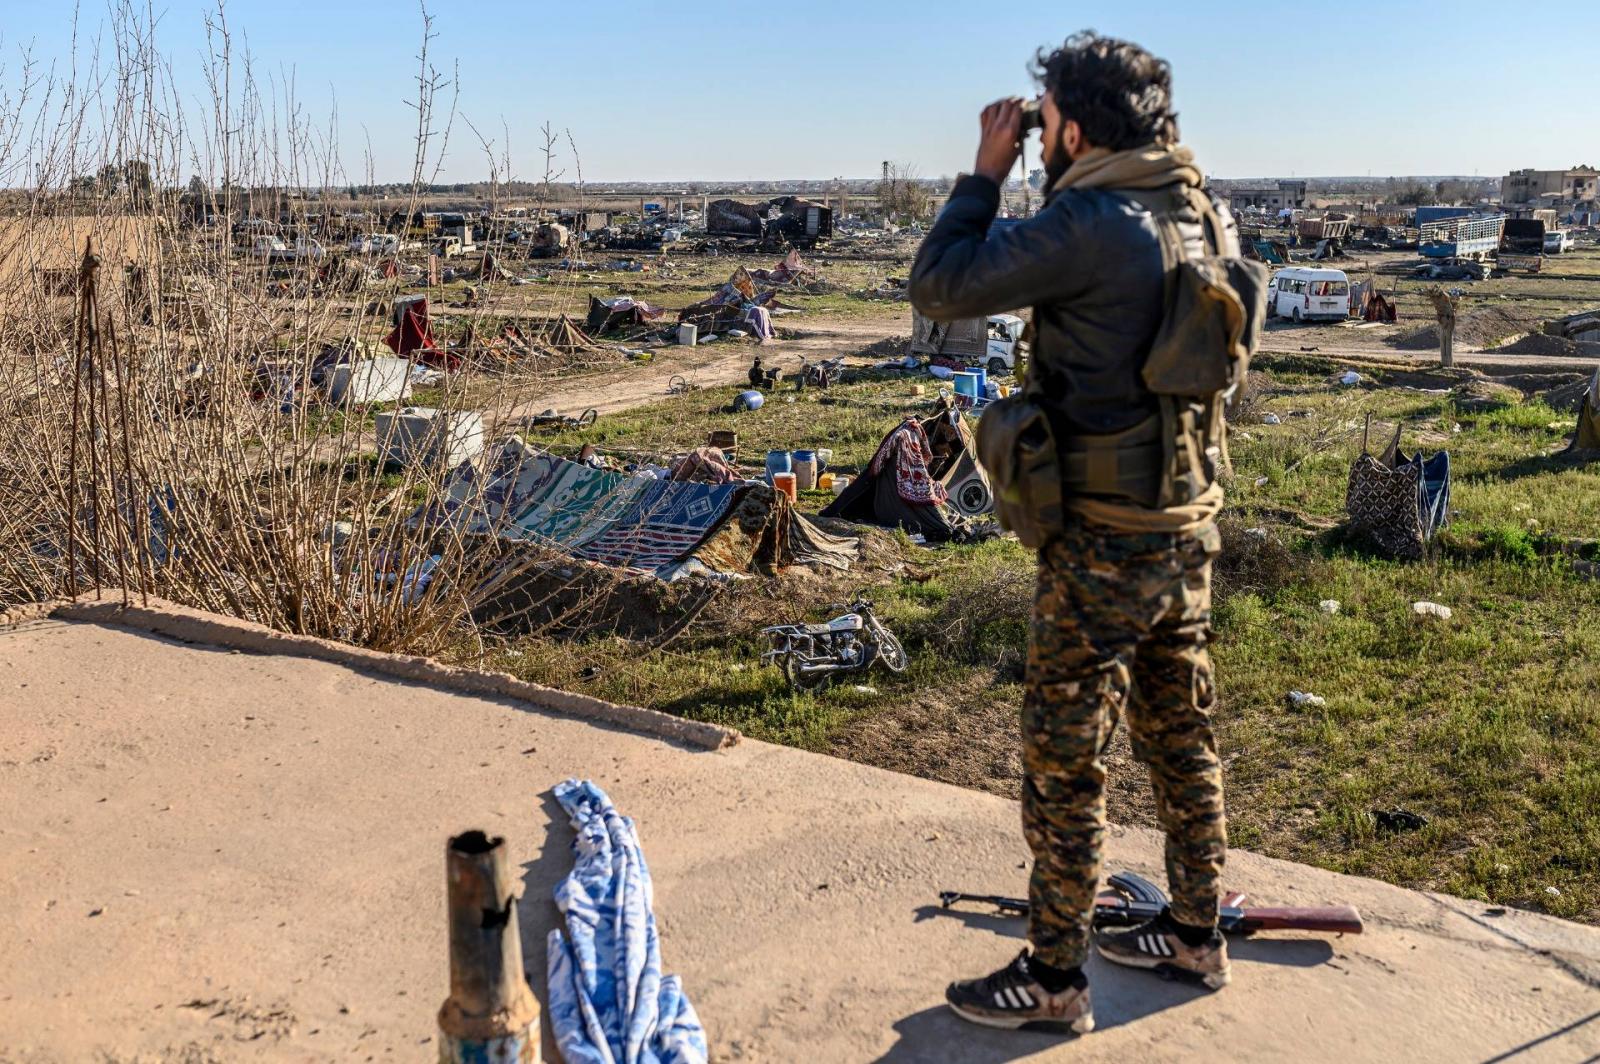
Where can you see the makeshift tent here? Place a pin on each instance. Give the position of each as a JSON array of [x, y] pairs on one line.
[[955, 462], [621, 312], [899, 488], [1587, 437], [736, 303], [1398, 502], [413, 338], [564, 335], [1369, 304], [634, 522], [791, 272], [489, 269]]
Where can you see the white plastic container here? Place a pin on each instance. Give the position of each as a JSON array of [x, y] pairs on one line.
[[688, 334], [840, 483], [421, 434], [373, 380]]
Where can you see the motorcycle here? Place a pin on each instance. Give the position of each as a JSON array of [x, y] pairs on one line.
[[811, 655]]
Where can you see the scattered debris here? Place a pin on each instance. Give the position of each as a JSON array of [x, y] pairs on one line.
[[1305, 699], [1397, 819], [1431, 609]]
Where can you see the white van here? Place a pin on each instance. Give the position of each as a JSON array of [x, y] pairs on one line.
[[1303, 294], [1557, 241]]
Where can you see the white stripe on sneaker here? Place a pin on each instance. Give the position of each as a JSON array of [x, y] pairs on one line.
[[1027, 998], [999, 1000]]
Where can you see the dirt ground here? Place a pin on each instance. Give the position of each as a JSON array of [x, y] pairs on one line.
[[711, 365]]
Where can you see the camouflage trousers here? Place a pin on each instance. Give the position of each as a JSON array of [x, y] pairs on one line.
[[1120, 626]]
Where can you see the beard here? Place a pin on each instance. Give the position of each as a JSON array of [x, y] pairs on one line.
[[1056, 161], [1055, 165]]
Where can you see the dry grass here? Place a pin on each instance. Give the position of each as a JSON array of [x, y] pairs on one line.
[[162, 428]]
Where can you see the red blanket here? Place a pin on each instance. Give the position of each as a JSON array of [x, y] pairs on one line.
[[909, 447]]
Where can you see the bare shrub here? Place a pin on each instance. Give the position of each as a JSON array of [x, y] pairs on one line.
[[983, 619], [1256, 560], [161, 430]]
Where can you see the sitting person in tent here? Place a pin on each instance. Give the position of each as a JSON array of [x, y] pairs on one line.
[[898, 490]]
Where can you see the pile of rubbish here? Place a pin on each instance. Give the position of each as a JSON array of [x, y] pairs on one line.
[[795, 274], [737, 304], [787, 218], [620, 314]]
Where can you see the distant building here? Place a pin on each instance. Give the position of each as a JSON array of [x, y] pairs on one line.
[[1287, 195], [1578, 184]]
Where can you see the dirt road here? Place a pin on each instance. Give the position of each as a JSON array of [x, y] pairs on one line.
[[711, 365], [1491, 362], [725, 363]]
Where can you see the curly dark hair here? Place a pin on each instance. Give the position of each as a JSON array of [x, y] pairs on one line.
[[1119, 94]]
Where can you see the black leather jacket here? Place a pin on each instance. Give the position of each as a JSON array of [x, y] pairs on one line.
[[1089, 264]]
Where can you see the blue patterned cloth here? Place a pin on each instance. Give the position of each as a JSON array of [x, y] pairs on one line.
[[608, 1001]]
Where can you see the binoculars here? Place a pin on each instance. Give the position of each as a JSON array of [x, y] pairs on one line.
[[1032, 117]]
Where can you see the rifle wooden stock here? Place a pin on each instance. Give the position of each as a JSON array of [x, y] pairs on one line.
[[1334, 919]]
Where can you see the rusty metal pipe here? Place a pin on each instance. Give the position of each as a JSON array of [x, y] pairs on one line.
[[491, 1016]]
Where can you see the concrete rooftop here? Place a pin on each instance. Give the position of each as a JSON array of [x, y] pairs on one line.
[[215, 855]]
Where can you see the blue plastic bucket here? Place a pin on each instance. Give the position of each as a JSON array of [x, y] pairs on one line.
[[778, 462], [966, 384], [983, 381]]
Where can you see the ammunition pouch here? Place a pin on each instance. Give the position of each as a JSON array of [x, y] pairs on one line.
[[1017, 448], [1215, 309]]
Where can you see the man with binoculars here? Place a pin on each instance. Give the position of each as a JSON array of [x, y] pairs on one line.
[[1119, 497]]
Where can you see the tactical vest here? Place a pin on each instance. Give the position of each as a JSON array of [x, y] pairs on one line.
[[1214, 309]]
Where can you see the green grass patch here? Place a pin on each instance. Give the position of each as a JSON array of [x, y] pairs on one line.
[[1486, 724]]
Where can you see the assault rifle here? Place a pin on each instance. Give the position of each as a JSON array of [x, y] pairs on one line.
[[1133, 899]]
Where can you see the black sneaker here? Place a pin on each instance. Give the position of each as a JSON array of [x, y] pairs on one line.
[[1155, 945], [1012, 998]]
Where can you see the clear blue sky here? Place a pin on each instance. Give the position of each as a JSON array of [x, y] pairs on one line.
[[658, 91]]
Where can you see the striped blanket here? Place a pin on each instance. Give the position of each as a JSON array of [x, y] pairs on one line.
[[635, 522]]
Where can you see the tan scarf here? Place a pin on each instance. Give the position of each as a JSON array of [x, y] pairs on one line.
[[1136, 168]]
